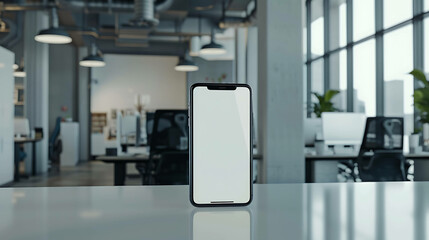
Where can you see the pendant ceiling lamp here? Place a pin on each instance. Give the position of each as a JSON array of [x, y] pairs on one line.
[[93, 59], [185, 65], [19, 70], [54, 34], [212, 48]]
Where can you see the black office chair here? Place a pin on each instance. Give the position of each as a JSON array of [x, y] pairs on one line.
[[168, 128], [149, 126], [55, 147], [172, 169], [384, 138]]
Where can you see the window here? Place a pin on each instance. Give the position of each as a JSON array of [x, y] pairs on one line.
[[398, 84], [304, 43], [364, 77], [396, 11], [426, 42], [395, 57], [317, 28], [363, 19], [426, 5], [338, 78], [317, 77], [338, 24]]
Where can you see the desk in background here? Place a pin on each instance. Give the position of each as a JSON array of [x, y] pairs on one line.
[[120, 164], [19, 141], [394, 210], [311, 159]]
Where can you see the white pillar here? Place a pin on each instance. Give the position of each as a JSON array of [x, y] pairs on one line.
[[280, 91], [36, 59]]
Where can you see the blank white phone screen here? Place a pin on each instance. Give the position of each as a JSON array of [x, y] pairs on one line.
[[221, 145]]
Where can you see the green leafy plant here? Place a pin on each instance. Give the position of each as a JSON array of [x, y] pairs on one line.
[[417, 130], [324, 103], [421, 96]]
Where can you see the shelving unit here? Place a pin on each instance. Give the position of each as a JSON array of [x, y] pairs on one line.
[[98, 122]]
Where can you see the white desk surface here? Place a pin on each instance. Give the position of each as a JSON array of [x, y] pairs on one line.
[[284, 211]]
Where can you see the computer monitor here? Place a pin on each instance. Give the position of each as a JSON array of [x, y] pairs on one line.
[[130, 127], [21, 126], [343, 128], [312, 127]]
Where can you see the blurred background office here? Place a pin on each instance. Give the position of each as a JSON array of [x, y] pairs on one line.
[[95, 92]]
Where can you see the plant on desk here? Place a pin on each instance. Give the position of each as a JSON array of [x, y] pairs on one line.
[[324, 103], [421, 102]]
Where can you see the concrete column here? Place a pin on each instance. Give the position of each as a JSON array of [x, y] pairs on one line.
[[36, 59], [84, 86], [280, 91], [240, 55]]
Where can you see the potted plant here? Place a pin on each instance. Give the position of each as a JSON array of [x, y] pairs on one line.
[[421, 102], [414, 141], [324, 103]]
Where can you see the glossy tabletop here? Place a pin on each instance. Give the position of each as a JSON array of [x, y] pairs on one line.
[[283, 211]]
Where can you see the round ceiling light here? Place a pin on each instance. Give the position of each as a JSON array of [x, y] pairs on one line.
[[212, 49], [186, 66], [92, 61], [53, 36]]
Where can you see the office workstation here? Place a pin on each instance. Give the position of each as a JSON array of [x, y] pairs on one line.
[[226, 119]]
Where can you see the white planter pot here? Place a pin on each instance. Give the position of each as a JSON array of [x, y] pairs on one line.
[[414, 140]]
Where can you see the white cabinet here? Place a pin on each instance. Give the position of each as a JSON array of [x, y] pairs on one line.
[[70, 138]]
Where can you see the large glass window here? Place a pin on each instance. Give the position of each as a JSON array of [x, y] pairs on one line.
[[317, 77], [364, 77], [398, 84], [396, 11], [338, 23], [363, 19], [397, 61], [338, 78], [426, 41], [317, 29]]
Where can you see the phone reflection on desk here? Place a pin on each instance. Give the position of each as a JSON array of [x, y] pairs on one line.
[[227, 224]]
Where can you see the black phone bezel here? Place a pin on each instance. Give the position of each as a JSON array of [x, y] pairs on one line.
[[218, 86]]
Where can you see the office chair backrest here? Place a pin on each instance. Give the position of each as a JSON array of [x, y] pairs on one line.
[[22, 126], [172, 169], [383, 133], [383, 136], [168, 129]]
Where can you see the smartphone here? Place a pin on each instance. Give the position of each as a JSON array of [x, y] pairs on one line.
[[220, 144]]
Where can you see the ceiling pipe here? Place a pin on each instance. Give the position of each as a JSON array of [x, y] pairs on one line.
[[144, 13]]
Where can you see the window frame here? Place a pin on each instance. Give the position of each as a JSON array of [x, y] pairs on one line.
[[418, 50]]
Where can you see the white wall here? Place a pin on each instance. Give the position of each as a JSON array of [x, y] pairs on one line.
[[6, 115], [115, 85]]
